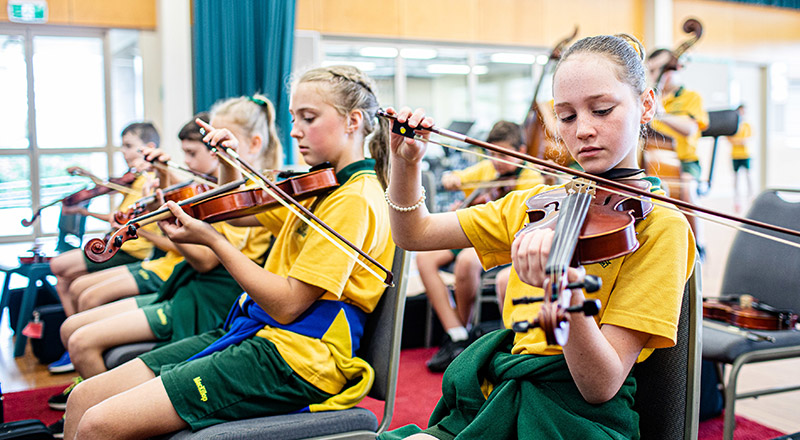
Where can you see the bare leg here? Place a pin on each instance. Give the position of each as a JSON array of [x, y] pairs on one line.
[[95, 289], [428, 264], [87, 345], [468, 272], [78, 320], [126, 402], [66, 267], [501, 283]]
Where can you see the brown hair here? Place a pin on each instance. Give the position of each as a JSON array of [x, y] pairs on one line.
[[624, 50], [191, 131], [506, 131], [255, 115], [351, 89]]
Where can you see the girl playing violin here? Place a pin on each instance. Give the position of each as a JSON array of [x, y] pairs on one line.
[[583, 390], [72, 264], [199, 292], [104, 286], [284, 351]]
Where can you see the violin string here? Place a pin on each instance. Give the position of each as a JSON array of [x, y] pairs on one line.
[[302, 217], [700, 215]]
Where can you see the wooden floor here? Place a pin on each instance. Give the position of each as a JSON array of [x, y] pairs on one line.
[[781, 411]]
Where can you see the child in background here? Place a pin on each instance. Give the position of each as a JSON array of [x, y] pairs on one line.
[[481, 177]]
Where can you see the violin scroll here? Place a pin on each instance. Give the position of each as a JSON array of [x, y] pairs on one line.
[[100, 251]]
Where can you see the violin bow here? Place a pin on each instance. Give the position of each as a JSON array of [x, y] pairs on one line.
[[194, 175], [404, 129], [296, 208], [106, 183]]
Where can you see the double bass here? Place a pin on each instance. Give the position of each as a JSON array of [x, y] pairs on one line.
[[658, 153], [540, 143]]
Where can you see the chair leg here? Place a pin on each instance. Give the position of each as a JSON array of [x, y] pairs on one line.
[[25, 312], [730, 401]]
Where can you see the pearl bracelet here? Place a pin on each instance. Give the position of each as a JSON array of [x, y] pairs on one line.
[[419, 203]]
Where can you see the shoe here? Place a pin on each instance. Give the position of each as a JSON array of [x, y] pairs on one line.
[[58, 401], [57, 428], [447, 352], [62, 365]]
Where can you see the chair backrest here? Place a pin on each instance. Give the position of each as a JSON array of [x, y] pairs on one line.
[[764, 268], [384, 329], [70, 224], [668, 382]]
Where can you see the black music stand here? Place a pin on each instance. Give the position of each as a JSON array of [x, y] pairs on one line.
[[720, 123]]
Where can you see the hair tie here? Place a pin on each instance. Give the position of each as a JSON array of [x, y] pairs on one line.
[[258, 101]]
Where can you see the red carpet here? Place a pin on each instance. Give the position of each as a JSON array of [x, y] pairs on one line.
[[418, 391]]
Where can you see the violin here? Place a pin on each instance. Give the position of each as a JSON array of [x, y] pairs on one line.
[[174, 193], [101, 188], [596, 225], [746, 312], [540, 143], [551, 318], [218, 205]]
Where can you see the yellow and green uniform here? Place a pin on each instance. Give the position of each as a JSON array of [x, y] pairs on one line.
[[484, 171], [305, 365], [684, 103], [162, 267], [738, 142], [190, 302]]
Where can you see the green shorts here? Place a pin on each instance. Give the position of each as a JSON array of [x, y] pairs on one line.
[[159, 317], [245, 380], [692, 168], [741, 163], [145, 299], [120, 259], [146, 280]]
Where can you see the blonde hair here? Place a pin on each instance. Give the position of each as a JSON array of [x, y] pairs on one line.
[[255, 115], [624, 50], [351, 89]]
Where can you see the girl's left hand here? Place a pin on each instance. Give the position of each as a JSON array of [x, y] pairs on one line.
[[187, 229], [529, 254]]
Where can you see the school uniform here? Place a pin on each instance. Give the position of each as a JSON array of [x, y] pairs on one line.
[[191, 302], [684, 102], [740, 154], [641, 291], [256, 366]]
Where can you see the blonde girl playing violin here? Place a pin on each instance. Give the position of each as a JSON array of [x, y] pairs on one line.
[[287, 353], [583, 389]]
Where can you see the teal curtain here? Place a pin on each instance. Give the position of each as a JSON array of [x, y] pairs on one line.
[[794, 4], [242, 47]]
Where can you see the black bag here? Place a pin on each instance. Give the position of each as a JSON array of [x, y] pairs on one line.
[[711, 399], [49, 348], [25, 430]]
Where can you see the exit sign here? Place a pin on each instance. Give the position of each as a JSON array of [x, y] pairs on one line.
[[27, 11]]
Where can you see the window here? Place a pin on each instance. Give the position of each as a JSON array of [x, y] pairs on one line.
[[67, 95]]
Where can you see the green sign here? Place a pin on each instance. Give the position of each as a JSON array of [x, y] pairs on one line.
[[30, 11]]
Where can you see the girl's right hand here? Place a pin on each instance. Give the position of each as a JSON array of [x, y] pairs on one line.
[[151, 155], [218, 136], [406, 148]]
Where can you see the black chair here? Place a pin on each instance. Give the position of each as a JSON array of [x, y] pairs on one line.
[[767, 270], [668, 382], [380, 347]]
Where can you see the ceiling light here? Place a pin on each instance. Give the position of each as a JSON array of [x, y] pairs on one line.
[[542, 59], [513, 58], [417, 53], [378, 52]]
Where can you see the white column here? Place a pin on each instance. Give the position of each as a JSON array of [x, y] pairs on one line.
[[658, 22]]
